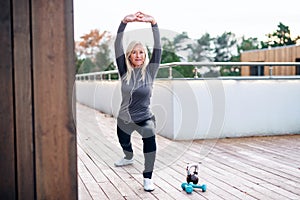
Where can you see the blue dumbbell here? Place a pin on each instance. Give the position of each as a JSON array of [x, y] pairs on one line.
[[187, 187], [203, 187]]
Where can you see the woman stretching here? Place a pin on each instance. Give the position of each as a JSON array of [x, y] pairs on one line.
[[137, 72]]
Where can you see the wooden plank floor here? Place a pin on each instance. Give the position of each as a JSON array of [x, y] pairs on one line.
[[236, 168]]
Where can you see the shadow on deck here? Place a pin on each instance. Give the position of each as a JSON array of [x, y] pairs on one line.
[[236, 168]]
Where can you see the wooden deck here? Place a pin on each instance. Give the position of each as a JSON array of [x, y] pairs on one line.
[[236, 168]]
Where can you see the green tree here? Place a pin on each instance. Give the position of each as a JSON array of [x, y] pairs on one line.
[[168, 55], [169, 52], [201, 49], [103, 58], [180, 41], [224, 46], [280, 37], [92, 52], [246, 44], [184, 48], [78, 62], [86, 66]]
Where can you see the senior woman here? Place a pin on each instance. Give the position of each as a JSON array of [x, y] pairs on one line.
[[137, 73]]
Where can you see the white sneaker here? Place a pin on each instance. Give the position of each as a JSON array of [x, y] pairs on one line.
[[148, 185], [124, 162]]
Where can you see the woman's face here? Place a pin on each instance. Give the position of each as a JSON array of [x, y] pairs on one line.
[[137, 56]]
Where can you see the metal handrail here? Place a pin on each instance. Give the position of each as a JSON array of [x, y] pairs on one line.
[[95, 74], [87, 76]]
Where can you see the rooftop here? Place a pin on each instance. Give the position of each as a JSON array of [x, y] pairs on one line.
[[232, 168]]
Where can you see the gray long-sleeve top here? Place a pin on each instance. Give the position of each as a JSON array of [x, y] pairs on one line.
[[135, 105]]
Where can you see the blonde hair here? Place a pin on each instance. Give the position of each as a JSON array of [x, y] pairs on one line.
[[129, 64]]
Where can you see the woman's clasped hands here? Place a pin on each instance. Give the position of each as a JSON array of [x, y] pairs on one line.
[[139, 17]]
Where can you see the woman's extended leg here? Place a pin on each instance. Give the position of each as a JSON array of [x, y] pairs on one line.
[[149, 155], [125, 142], [124, 135], [147, 130]]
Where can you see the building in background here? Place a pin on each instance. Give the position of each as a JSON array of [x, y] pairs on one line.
[[279, 54]]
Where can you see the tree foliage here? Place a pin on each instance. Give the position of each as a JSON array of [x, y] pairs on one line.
[[169, 51], [93, 52], [201, 49], [245, 44], [280, 37], [90, 42], [103, 59], [168, 55], [87, 66], [224, 46]]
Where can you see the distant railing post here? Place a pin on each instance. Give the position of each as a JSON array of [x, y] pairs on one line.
[[271, 70], [196, 72], [170, 72]]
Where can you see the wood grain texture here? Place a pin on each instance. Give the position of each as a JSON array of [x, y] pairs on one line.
[[233, 168], [279, 54], [23, 99], [54, 75], [38, 151], [7, 137]]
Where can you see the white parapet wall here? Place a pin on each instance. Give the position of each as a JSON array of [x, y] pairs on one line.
[[199, 109]]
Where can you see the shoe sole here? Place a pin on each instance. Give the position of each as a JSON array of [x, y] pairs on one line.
[[148, 190], [123, 165]]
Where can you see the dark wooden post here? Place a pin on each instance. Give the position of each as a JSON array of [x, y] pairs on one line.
[[38, 158], [7, 129]]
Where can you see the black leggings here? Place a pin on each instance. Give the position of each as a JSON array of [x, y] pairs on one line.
[[146, 129]]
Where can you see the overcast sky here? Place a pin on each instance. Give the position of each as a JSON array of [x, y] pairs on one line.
[[253, 18]]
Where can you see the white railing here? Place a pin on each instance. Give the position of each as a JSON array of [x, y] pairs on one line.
[[188, 109], [199, 108], [101, 75], [93, 75]]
